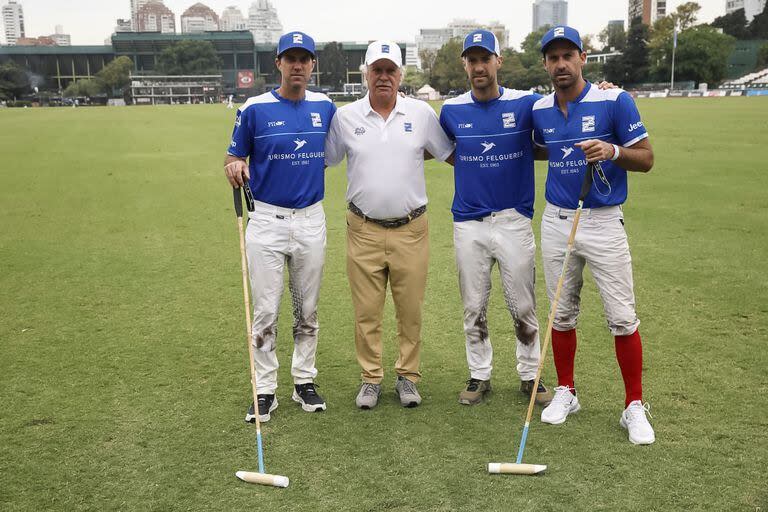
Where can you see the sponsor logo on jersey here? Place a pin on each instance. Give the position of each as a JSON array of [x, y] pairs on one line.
[[233, 144], [635, 126], [508, 119], [549, 131], [237, 120], [566, 152], [272, 124], [588, 124], [465, 125], [317, 122], [299, 144], [298, 39], [408, 127], [487, 146], [359, 130]]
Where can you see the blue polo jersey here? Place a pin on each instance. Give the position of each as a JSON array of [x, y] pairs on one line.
[[493, 162], [284, 142], [609, 115]]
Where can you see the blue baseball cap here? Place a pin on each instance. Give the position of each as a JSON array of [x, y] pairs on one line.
[[564, 33], [481, 39], [295, 40]]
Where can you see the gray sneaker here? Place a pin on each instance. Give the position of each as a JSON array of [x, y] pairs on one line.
[[406, 390], [368, 396]]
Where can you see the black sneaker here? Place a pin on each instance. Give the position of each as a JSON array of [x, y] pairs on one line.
[[307, 396], [267, 404]]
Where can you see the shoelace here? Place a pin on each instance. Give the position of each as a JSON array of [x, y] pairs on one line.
[[561, 395], [637, 410], [308, 389], [473, 384], [408, 387], [369, 389]]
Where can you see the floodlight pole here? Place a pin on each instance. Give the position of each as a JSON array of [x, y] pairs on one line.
[[674, 50]]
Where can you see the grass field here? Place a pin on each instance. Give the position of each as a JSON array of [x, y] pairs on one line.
[[123, 367]]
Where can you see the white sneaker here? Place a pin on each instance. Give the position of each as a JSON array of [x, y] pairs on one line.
[[633, 419], [563, 404]]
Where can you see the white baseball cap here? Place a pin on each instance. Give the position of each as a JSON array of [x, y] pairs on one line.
[[384, 50]]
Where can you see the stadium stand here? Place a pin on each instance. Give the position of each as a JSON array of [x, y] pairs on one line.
[[758, 79]]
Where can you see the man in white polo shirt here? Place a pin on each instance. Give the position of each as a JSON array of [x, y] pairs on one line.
[[384, 137]]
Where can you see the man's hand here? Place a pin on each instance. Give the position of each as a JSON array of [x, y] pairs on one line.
[[596, 150], [236, 169], [606, 85]]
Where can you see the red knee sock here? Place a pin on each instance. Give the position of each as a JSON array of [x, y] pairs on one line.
[[564, 352], [629, 354]]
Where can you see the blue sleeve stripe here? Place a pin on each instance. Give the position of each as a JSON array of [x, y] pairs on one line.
[[288, 133], [491, 135]]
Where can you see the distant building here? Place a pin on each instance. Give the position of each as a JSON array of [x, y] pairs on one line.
[[264, 23], [435, 38], [616, 23], [412, 56], [60, 37], [13, 22], [549, 13], [155, 17], [232, 19], [36, 41], [648, 11], [751, 7], [136, 6], [199, 18], [123, 26]]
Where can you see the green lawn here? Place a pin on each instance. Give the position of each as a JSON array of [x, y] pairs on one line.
[[123, 366]]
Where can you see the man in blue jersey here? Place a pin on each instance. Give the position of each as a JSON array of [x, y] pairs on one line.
[[492, 210], [580, 124], [278, 147]]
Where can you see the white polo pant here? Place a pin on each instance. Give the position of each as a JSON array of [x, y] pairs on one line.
[[275, 238], [601, 243], [506, 238]]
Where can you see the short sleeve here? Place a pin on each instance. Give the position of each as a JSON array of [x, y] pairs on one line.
[[445, 125], [438, 143], [627, 124], [334, 144], [242, 138]]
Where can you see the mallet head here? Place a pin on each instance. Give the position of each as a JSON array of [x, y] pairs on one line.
[[515, 469], [262, 478]]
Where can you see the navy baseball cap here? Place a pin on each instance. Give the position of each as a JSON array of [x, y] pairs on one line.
[[481, 39], [564, 33], [295, 40]]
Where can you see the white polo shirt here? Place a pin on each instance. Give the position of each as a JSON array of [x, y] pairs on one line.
[[385, 158]]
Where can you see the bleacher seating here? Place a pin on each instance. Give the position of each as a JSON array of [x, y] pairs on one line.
[[756, 79]]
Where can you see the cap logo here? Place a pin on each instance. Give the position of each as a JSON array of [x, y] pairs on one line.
[[477, 38], [298, 39], [559, 32], [385, 48]]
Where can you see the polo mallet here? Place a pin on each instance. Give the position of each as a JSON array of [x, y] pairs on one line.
[[518, 468], [248, 476]]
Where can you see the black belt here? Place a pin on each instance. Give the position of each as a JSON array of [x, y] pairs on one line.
[[390, 223]]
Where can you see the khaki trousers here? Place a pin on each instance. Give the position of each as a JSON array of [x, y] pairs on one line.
[[376, 255]]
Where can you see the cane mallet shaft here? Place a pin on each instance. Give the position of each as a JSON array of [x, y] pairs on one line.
[[518, 468], [261, 477]]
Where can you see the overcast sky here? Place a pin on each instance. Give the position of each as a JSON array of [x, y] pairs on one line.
[[93, 21]]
